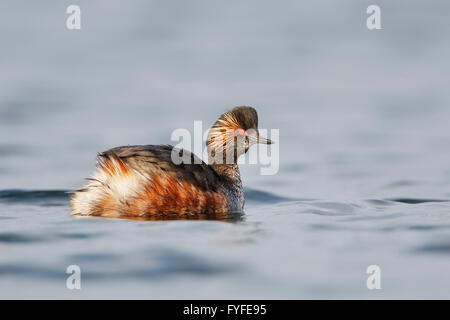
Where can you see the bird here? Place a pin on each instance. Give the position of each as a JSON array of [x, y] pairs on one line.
[[144, 181]]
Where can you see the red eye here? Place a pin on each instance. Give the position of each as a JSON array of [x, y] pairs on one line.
[[241, 131]]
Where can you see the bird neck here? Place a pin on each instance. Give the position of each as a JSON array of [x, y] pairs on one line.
[[227, 171], [231, 183], [225, 164]]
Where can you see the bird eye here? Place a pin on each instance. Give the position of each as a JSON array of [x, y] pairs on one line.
[[241, 131]]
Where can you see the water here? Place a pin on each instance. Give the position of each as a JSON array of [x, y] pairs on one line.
[[364, 144]]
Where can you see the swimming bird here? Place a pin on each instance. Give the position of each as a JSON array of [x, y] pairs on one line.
[[145, 181]]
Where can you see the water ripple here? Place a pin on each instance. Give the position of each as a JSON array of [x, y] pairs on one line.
[[35, 197], [264, 196], [416, 200]]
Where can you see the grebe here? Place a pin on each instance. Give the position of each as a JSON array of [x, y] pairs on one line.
[[145, 182]]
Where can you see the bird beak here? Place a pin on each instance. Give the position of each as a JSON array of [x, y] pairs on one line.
[[265, 141]]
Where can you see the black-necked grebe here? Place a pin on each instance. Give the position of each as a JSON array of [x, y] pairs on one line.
[[144, 181]]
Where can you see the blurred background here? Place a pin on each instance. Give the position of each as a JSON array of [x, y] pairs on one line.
[[364, 145]]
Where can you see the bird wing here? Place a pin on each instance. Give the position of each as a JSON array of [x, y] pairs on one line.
[[151, 160]]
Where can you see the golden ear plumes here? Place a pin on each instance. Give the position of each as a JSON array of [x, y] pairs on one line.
[[222, 133]]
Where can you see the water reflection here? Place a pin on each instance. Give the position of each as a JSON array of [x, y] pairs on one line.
[[227, 217]]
